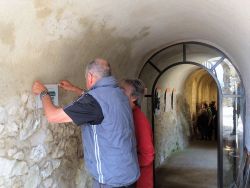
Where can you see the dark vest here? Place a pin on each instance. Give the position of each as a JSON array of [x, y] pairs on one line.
[[110, 147]]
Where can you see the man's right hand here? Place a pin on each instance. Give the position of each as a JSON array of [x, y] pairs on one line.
[[65, 84]]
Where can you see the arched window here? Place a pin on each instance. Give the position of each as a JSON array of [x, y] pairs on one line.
[[231, 97]]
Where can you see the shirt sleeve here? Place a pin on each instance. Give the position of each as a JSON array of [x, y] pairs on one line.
[[85, 110]]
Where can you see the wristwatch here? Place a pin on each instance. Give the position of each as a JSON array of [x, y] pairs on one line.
[[43, 93]]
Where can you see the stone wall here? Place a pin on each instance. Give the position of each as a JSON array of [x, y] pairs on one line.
[[35, 153], [171, 131], [172, 125]]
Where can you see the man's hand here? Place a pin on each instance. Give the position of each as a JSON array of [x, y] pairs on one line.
[[53, 113], [38, 87], [65, 84]]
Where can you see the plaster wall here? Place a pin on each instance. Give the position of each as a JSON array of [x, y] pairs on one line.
[[52, 41], [49, 41]]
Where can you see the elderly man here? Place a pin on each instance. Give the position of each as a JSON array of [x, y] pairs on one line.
[[105, 117]]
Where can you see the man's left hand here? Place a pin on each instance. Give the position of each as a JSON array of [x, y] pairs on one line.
[[38, 87]]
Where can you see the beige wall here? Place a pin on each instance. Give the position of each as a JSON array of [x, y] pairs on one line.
[[49, 41], [199, 87], [52, 40]]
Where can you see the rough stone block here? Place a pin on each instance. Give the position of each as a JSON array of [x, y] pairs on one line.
[[38, 153], [10, 168], [38, 137], [56, 163], [16, 182], [12, 129], [48, 182], [2, 152], [31, 104], [12, 151], [33, 179], [19, 156], [29, 127], [22, 113], [2, 144], [47, 170], [24, 98], [13, 106], [49, 136], [1, 128], [71, 147], [57, 153]]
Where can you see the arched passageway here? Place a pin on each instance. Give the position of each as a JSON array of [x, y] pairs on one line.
[[230, 100], [184, 158]]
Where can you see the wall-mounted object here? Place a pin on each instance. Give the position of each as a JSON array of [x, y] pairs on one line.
[[167, 100], [53, 92], [157, 101]]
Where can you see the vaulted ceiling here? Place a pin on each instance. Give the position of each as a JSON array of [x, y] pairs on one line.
[[62, 35]]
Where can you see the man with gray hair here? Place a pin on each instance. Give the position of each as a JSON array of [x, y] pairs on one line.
[[105, 117]]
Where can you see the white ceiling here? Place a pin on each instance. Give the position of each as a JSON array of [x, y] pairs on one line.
[[222, 23]]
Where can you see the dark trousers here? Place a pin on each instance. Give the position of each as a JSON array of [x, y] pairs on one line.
[[96, 184]]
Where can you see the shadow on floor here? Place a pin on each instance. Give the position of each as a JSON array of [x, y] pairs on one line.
[[195, 167]]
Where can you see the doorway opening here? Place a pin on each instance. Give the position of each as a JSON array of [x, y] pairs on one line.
[[230, 100], [186, 149]]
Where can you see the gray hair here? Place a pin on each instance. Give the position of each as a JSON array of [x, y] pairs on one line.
[[138, 89], [99, 67]]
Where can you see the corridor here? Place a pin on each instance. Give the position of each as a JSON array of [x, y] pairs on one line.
[[194, 167], [185, 52]]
